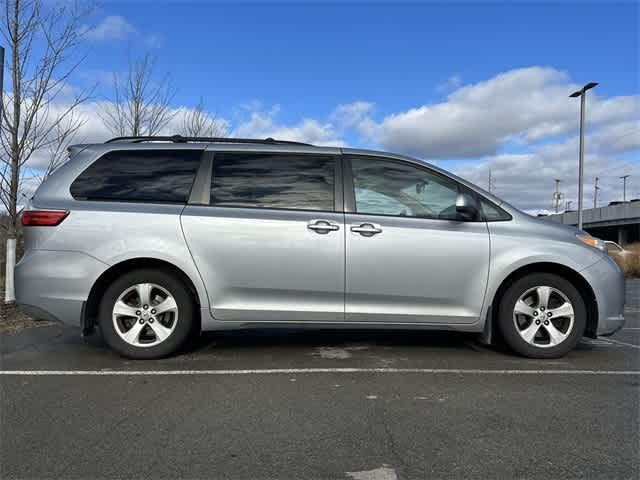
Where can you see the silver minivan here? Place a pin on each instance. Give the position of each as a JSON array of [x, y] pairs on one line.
[[153, 238]]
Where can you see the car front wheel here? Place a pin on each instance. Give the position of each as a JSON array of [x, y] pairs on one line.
[[542, 316]]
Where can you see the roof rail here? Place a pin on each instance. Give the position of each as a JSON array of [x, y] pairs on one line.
[[181, 139]]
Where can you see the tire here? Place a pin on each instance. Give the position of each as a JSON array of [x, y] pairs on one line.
[[517, 321], [140, 333]]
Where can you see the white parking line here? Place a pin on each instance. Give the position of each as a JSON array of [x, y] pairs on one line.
[[302, 371]]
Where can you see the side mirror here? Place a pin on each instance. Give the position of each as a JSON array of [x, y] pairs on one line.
[[467, 207]]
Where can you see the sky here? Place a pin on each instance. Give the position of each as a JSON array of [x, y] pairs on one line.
[[473, 87]]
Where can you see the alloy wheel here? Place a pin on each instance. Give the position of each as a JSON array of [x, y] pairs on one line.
[[145, 315], [543, 316]]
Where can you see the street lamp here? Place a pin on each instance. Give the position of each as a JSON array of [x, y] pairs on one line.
[[581, 93]]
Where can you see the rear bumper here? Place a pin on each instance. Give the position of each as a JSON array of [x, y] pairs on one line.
[[52, 285], [607, 282]]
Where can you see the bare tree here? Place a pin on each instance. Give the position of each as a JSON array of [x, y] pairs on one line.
[[140, 106], [38, 77], [63, 135], [56, 153], [198, 123]]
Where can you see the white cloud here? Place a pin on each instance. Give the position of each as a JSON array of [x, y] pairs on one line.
[[112, 27], [116, 27], [356, 116], [616, 137], [352, 114], [93, 129], [527, 180], [264, 125], [527, 104]]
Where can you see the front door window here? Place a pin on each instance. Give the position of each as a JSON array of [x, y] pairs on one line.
[[387, 187]]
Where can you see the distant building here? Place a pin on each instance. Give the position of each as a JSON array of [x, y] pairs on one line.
[[619, 223]]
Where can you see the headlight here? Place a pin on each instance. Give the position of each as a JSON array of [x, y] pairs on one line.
[[592, 242]]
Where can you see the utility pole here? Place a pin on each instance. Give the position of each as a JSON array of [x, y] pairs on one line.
[[582, 94], [492, 182], [595, 194], [557, 195], [624, 187]]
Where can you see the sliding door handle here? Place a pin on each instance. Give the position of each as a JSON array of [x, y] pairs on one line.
[[366, 229]]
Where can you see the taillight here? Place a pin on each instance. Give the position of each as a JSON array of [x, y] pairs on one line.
[[43, 218]]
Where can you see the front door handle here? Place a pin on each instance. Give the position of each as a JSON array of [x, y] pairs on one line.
[[322, 226], [366, 229]]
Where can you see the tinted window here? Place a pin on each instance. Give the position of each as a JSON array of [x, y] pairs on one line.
[[285, 181], [385, 187], [493, 213], [370, 201], [139, 175]]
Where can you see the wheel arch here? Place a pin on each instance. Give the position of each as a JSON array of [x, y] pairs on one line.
[[92, 304], [568, 273]]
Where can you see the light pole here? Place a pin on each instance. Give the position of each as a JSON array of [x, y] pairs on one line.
[[624, 188], [581, 93]]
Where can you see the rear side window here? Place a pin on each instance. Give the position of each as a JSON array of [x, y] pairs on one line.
[[280, 181], [139, 175]]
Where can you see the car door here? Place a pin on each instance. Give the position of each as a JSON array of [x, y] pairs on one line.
[[269, 243], [409, 257]]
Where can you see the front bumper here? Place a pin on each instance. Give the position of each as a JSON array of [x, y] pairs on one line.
[[607, 282], [610, 325], [52, 285]]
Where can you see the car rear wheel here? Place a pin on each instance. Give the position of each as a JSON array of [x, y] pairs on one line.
[[542, 316], [146, 314]]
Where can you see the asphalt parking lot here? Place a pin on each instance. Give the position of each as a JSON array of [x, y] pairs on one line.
[[374, 405]]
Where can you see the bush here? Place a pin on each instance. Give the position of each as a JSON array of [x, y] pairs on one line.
[[629, 263]]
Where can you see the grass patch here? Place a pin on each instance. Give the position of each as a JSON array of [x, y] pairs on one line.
[[14, 320]]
